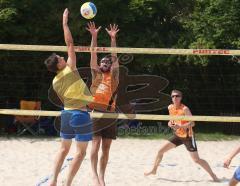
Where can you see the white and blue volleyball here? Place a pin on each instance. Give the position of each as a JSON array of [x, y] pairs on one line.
[[88, 10]]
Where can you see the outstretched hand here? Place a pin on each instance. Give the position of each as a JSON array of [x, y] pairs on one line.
[[92, 29], [112, 32], [65, 16]]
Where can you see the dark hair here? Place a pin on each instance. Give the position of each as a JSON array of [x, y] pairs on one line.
[[177, 91], [51, 63], [109, 57]]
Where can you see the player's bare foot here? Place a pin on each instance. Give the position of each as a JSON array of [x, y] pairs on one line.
[[153, 172], [215, 178], [96, 181], [102, 182], [53, 183]]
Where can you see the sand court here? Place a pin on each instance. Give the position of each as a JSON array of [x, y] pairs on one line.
[[29, 162]]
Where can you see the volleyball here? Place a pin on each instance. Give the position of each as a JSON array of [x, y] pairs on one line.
[[88, 10]]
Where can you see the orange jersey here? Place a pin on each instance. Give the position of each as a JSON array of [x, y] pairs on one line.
[[180, 112], [103, 88]]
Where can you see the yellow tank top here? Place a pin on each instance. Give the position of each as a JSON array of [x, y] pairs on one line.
[[180, 112], [71, 89], [103, 88]]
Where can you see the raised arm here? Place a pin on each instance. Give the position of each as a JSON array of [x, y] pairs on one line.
[[112, 32], [71, 61], [94, 32]]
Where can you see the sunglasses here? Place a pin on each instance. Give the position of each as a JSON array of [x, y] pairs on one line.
[[106, 61], [177, 96]]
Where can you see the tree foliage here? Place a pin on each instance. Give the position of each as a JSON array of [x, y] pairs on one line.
[[143, 23]]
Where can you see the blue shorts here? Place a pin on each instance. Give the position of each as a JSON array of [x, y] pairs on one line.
[[76, 124], [237, 174]]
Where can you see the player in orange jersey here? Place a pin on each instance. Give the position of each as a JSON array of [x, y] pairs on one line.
[[183, 134], [105, 79]]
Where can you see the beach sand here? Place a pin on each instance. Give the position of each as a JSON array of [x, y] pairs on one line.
[[28, 162]]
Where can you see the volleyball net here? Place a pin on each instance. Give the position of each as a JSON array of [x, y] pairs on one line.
[[157, 51], [124, 116], [210, 103]]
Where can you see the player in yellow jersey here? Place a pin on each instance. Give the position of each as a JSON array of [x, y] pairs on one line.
[[183, 134], [74, 94]]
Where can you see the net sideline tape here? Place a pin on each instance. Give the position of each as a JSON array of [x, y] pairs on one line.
[[224, 52], [124, 116]]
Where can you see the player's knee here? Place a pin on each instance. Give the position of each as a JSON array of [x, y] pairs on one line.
[[81, 154], [95, 148], [161, 152], [105, 150], [94, 152], [64, 151], [96, 143], [196, 160]]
